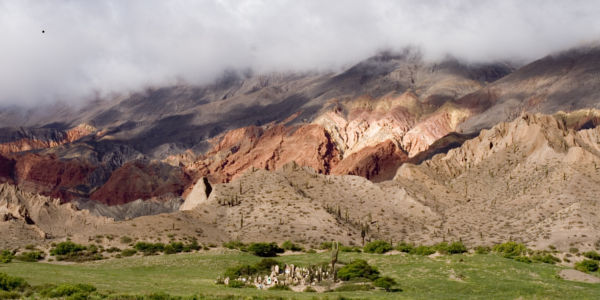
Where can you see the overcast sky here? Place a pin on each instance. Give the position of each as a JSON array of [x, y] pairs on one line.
[[98, 47]]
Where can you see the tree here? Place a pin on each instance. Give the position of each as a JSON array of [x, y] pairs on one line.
[[358, 269], [385, 283], [264, 249]]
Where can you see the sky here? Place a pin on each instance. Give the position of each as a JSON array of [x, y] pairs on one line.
[[95, 48]]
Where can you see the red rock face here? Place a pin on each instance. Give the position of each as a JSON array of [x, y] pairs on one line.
[[376, 163], [271, 148], [47, 175], [140, 180], [7, 167]]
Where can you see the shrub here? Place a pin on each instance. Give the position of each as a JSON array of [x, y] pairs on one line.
[[128, 252], [11, 283], [350, 249], [385, 283], [289, 246], [309, 289], [66, 248], [326, 245], [592, 255], [358, 269], [9, 295], [31, 256], [524, 259], [378, 247], [280, 287], [6, 256], [243, 270], [456, 248], [67, 289], [510, 249], [113, 250], [236, 284], [404, 247], [547, 258], [126, 240], [174, 247], [482, 249], [587, 266], [442, 247], [235, 245], [354, 287], [264, 249], [149, 248], [264, 266], [573, 250], [423, 250]]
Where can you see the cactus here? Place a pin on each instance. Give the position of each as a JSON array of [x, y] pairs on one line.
[[335, 249]]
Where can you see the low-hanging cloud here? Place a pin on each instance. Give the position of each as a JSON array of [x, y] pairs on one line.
[[92, 48]]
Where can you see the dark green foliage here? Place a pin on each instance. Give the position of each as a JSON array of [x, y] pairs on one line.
[[442, 247], [423, 250], [354, 287], [236, 284], [235, 245], [264, 266], [573, 250], [378, 247], [592, 255], [524, 259], [149, 248], [456, 248], [242, 270], [510, 249], [545, 258], [31, 256], [11, 283], [9, 295], [128, 252], [482, 249], [358, 269], [385, 283], [74, 291], [6, 256], [174, 247], [289, 246], [326, 245], [280, 288], [264, 249], [405, 247], [67, 248], [587, 266]]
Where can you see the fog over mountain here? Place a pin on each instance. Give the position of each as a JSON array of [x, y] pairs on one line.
[[93, 48]]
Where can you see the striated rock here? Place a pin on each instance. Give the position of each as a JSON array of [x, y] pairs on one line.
[[25, 140], [141, 180], [376, 163]]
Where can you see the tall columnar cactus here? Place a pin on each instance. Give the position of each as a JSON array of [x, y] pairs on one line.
[[335, 249]]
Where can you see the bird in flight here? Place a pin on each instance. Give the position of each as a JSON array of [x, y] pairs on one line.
[[43, 31]]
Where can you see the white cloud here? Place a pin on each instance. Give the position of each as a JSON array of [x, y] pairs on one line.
[[103, 46]]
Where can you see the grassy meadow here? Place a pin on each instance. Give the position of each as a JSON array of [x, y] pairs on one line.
[[465, 276]]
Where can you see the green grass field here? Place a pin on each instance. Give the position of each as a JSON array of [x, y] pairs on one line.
[[445, 277]]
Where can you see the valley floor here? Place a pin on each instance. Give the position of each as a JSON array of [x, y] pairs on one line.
[[469, 276]]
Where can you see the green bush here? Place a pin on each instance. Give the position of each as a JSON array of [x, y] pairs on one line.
[[280, 287], [174, 247], [350, 249], [592, 255], [385, 283], [587, 266], [128, 252], [354, 287], [482, 249], [125, 240], [358, 269], [235, 245], [264, 249], [236, 284], [11, 283], [510, 249], [378, 247], [67, 289], [31, 256], [524, 259], [6, 256], [456, 248], [67, 248], [149, 248], [264, 266], [10, 295], [326, 245], [547, 258], [289, 246], [423, 250], [242, 270], [405, 247], [442, 247]]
